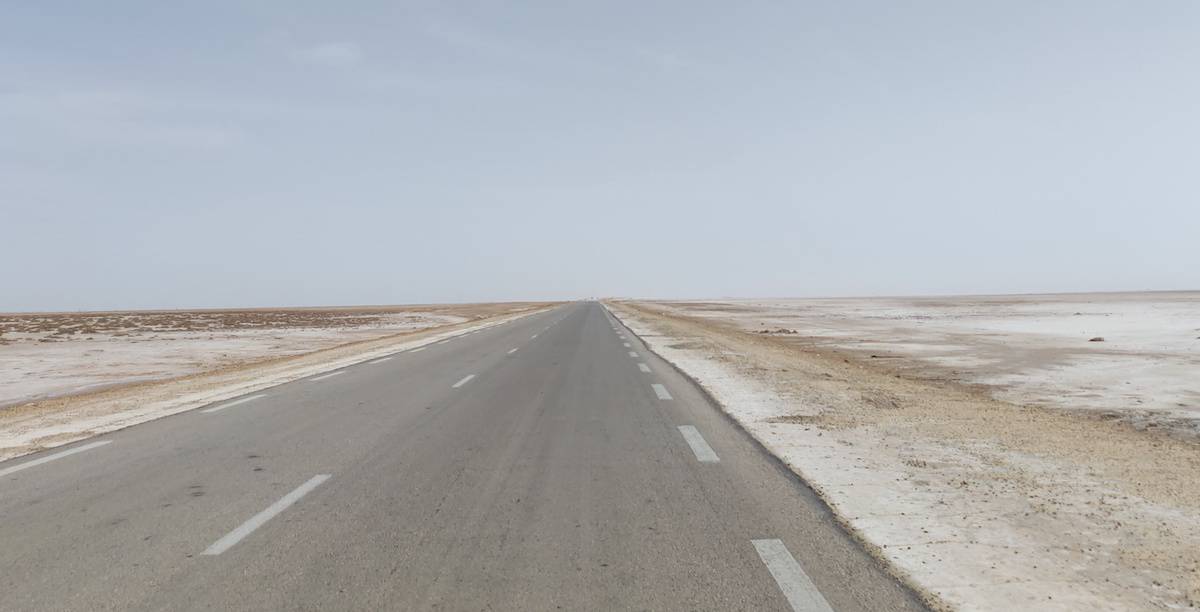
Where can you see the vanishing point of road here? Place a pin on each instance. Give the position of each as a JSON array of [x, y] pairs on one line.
[[548, 463]]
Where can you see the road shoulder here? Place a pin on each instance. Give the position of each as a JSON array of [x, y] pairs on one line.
[[959, 494], [40, 425]]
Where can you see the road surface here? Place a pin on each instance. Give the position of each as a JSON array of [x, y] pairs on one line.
[[548, 463]]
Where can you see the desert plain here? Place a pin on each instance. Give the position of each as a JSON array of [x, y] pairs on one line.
[[998, 452]]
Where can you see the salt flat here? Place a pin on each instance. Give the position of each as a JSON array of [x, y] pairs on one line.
[[985, 447], [165, 366], [1025, 349], [44, 355]]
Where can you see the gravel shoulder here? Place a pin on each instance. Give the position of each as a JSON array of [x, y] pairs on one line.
[[978, 503]]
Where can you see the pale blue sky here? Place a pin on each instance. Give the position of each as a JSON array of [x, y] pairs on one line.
[[294, 153]]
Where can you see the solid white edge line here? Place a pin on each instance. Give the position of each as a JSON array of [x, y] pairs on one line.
[[256, 521], [661, 392], [48, 458], [643, 367], [381, 360], [799, 590], [466, 379], [417, 350], [704, 453], [324, 376], [233, 403]]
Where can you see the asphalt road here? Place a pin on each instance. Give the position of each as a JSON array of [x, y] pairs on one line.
[[537, 465]]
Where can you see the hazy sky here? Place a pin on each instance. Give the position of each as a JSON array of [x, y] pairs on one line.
[[287, 153]]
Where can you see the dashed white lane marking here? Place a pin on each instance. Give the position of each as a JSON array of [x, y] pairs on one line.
[[643, 367], [626, 344], [256, 521], [234, 403], [661, 392], [48, 458], [324, 376], [381, 360], [799, 590], [633, 353], [511, 351], [466, 379], [533, 337], [704, 452]]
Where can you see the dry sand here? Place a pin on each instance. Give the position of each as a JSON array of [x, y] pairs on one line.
[[982, 503], [1040, 349], [121, 369], [44, 355]]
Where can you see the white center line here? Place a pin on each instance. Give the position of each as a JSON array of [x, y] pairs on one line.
[[234, 403], [704, 452], [381, 360], [633, 353], [466, 379], [661, 392], [324, 376], [256, 521], [67, 453], [799, 590], [643, 367], [511, 351]]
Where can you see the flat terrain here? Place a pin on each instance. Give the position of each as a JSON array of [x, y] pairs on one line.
[[1132, 356], [548, 462], [44, 355], [48, 422], [919, 422]]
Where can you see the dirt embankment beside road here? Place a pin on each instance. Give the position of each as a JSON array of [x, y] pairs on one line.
[[982, 504], [157, 364]]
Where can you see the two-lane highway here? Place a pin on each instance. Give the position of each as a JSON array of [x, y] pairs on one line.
[[547, 463]]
